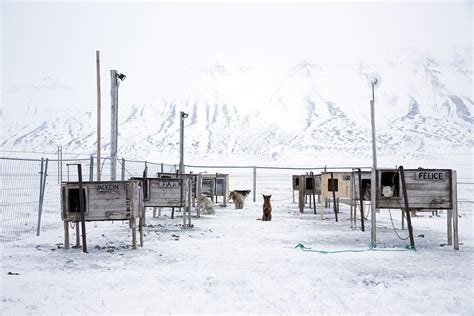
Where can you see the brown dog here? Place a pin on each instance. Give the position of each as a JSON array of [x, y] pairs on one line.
[[267, 208]]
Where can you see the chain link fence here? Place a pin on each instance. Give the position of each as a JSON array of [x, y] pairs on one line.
[[30, 188]]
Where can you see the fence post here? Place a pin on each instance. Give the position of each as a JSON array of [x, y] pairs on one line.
[[255, 184], [91, 170], [123, 169], [39, 203], [42, 188]]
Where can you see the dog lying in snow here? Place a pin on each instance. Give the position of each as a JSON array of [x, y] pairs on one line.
[[239, 196], [207, 205], [267, 208]]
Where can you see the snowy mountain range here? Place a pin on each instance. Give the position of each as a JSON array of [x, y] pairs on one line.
[[423, 105]]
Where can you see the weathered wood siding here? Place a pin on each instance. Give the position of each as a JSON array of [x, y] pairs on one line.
[[183, 176], [343, 184], [308, 179], [365, 175], [426, 189], [166, 192], [106, 200]]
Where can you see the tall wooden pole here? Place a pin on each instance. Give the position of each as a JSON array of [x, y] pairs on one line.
[[97, 60]]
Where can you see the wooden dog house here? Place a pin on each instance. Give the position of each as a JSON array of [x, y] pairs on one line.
[[421, 190], [335, 185], [103, 201], [308, 185], [215, 185], [426, 188]]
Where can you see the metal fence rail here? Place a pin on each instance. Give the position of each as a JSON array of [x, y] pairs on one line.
[[29, 192]]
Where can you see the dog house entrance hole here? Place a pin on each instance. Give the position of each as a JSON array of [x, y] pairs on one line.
[[309, 184], [220, 186], [297, 182], [366, 188], [391, 179], [74, 200], [330, 185]]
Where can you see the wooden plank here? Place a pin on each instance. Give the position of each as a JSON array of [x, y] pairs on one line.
[[66, 235], [301, 195]]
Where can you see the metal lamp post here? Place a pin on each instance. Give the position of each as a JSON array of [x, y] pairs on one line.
[[182, 116], [114, 76], [373, 195]]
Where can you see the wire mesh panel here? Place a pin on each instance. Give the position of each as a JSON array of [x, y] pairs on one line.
[[19, 197], [278, 182], [465, 198]]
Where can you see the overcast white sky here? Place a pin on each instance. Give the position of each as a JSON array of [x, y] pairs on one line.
[[151, 40]]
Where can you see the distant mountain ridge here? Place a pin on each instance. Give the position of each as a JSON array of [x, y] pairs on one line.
[[421, 106]]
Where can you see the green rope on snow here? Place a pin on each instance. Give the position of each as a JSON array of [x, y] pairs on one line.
[[371, 248]]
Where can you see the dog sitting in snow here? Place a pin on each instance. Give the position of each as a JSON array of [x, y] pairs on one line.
[[239, 196], [207, 205], [267, 208]]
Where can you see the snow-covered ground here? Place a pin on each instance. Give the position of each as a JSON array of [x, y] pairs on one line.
[[231, 263]]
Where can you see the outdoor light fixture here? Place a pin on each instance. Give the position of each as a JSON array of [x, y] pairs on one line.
[[121, 76], [184, 115]]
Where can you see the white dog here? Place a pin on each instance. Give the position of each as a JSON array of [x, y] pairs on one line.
[[239, 196], [387, 191], [206, 204]]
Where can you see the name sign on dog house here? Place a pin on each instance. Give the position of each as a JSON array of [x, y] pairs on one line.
[[426, 189], [107, 187], [169, 184], [430, 175], [164, 192]]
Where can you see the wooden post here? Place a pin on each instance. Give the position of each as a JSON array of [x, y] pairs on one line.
[[373, 207], [81, 207], [352, 201], [314, 192], [134, 233], [199, 194], [142, 217], [361, 197], [455, 210], [334, 196], [78, 235], [407, 208], [450, 227], [97, 59], [302, 194], [66, 235], [190, 198]]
